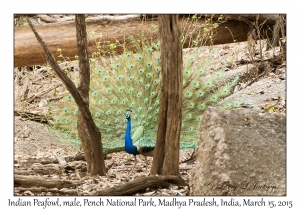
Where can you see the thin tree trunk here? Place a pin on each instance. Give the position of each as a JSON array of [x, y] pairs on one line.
[[89, 134], [170, 114], [96, 167]]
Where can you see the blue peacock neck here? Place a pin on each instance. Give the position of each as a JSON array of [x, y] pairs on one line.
[[129, 147]]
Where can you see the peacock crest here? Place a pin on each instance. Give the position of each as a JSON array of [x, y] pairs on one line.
[[131, 81]]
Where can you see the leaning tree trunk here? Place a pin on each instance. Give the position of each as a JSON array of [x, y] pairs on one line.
[[94, 157], [166, 157], [89, 134]]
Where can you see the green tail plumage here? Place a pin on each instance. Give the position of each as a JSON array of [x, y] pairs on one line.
[[132, 81]]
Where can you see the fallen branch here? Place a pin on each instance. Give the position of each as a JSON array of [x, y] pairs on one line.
[[41, 170], [105, 30], [135, 186], [38, 95], [44, 189], [32, 116], [31, 181]]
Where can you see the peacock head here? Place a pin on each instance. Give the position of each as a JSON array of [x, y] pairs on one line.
[[127, 115]]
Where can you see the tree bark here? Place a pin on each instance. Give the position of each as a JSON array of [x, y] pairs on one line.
[[170, 114], [89, 134]]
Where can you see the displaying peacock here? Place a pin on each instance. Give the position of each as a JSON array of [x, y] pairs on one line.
[[131, 81]]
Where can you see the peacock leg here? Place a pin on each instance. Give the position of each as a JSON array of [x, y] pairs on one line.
[[146, 163], [135, 161]]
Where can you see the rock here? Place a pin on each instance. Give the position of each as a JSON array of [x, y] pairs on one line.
[[240, 152]]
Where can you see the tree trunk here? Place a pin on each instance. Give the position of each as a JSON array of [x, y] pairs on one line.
[[91, 129], [170, 114], [89, 134]]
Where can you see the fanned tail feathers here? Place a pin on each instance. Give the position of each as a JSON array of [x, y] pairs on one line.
[[132, 81]]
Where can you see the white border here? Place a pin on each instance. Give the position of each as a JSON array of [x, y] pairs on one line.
[[129, 7]]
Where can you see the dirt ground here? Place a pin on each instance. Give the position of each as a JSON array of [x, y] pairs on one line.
[[38, 153]]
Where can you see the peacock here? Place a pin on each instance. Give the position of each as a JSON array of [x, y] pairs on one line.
[[136, 149], [130, 84]]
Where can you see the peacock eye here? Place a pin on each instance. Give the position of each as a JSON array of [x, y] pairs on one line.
[[214, 98], [201, 71], [225, 91]]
